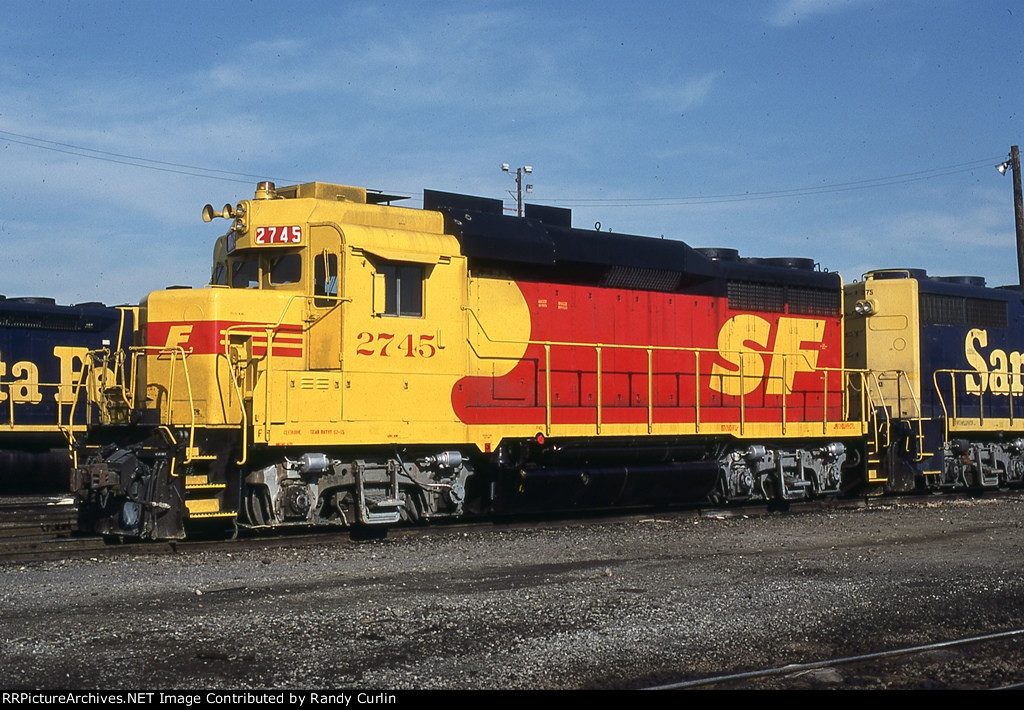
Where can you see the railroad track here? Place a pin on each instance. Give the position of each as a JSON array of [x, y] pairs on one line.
[[40, 528], [37, 517], [941, 664], [45, 527]]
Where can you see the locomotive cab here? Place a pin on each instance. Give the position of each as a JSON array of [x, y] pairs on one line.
[[270, 389]]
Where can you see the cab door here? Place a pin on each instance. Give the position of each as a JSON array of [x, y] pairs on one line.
[[324, 309]]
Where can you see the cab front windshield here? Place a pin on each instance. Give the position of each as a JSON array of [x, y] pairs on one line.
[[262, 270]]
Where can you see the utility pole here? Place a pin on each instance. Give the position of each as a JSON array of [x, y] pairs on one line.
[[525, 170], [1018, 211], [1018, 207]]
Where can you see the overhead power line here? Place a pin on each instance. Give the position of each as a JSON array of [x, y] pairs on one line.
[[776, 194], [671, 201], [135, 161]]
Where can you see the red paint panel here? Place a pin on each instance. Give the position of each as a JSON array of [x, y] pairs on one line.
[[585, 314], [209, 337]]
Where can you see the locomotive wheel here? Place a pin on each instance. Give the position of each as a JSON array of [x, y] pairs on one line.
[[414, 508], [257, 507]]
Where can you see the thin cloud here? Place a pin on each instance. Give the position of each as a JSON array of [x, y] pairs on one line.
[[792, 12], [684, 96]]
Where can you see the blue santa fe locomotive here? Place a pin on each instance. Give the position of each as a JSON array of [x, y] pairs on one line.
[[948, 357], [43, 350]]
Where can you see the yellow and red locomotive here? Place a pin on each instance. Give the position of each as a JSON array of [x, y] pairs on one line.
[[359, 363]]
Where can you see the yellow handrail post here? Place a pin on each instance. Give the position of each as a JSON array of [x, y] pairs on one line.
[[824, 406], [547, 389], [650, 390], [696, 391], [743, 399], [785, 381]]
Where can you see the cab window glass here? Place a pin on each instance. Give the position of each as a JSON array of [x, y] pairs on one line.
[[325, 280], [410, 291], [245, 273], [286, 269], [220, 274], [403, 289]]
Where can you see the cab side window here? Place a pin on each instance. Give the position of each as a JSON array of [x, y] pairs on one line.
[[403, 289], [325, 280], [220, 274], [245, 273]]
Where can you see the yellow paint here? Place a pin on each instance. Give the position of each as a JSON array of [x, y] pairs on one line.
[[1001, 373], [745, 344], [202, 505], [887, 342]]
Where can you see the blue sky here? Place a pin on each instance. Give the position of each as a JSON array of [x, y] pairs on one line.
[[861, 133]]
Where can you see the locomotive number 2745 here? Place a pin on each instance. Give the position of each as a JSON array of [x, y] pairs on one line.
[[388, 345], [279, 235]]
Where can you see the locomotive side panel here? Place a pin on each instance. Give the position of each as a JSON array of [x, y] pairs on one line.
[[641, 362], [972, 342]]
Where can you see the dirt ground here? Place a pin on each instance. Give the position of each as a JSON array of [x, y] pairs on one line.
[[621, 603]]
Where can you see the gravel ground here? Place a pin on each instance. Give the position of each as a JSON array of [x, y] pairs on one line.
[[578, 604]]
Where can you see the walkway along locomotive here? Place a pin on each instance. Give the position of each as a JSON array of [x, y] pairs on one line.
[[357, 363]]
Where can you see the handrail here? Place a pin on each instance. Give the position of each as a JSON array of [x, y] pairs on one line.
[[740, 374], [624, 346], [7, 391], [951, 410], [89, 363], [883, 407], [942, 400], [174, 351], [129, 390], [271, 331], [919, 419]]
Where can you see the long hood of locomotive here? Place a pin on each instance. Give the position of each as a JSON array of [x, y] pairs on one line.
[[622, 335]]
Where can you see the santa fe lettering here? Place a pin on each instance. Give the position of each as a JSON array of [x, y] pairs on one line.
[[1002, 373]]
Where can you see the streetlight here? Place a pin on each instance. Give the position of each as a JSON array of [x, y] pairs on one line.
[[518, 194], [1018, 207]]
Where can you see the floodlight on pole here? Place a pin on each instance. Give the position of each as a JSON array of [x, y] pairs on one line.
[[518, 194]]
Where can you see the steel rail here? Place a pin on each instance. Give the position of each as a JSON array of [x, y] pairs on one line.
[[845, 660]]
